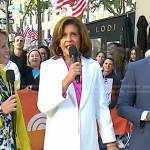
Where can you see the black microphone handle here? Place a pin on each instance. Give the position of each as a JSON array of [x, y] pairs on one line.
[[12, 92], [11, 88], [74, 60], [10, 76], [77, 78]]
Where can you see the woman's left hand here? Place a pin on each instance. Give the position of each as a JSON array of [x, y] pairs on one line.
[[9, 105]]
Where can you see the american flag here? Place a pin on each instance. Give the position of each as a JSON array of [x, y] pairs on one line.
[[30, 33], [26, 31], [60, 3], [34, 34], [79, 8]]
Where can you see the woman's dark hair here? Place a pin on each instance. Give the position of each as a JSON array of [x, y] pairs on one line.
[[46, 49], [138, 53], [110, 58], [85, 47], [98, 52]]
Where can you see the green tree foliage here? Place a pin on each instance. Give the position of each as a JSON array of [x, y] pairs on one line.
[[36, 7], [31, 7], [116, 7]]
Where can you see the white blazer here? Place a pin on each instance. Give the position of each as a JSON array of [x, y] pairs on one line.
[[69, 127]]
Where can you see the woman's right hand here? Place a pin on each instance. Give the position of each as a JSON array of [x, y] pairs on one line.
[[74, 70], [9, 105]]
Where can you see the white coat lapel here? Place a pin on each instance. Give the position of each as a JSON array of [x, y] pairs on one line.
[[86, 81], [72, 95]]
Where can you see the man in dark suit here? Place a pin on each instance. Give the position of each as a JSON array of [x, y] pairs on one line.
[[134, 103]]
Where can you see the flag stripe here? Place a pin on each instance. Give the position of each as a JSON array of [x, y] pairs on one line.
[[78, 4], [79, 12], [60, 3], [31, 33], [79, 8]]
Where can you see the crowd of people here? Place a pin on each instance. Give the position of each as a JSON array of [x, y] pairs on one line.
[[109, 102], [28, 62], [26, 67]]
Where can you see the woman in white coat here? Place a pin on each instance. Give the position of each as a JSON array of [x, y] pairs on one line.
[[72, 108]]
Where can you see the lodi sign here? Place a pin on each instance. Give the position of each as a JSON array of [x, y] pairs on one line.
[[109, 29]]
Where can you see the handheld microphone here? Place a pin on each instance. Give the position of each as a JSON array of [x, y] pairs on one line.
[[73, 53], [10, 77]]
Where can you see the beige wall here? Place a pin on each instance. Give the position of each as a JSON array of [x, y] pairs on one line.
[[142, 8]]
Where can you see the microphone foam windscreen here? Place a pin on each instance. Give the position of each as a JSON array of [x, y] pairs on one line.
[[10, 75]]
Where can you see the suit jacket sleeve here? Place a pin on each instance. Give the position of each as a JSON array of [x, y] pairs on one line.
[[127, 97]]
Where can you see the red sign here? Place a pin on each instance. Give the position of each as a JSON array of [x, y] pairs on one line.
[[34, 120]]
